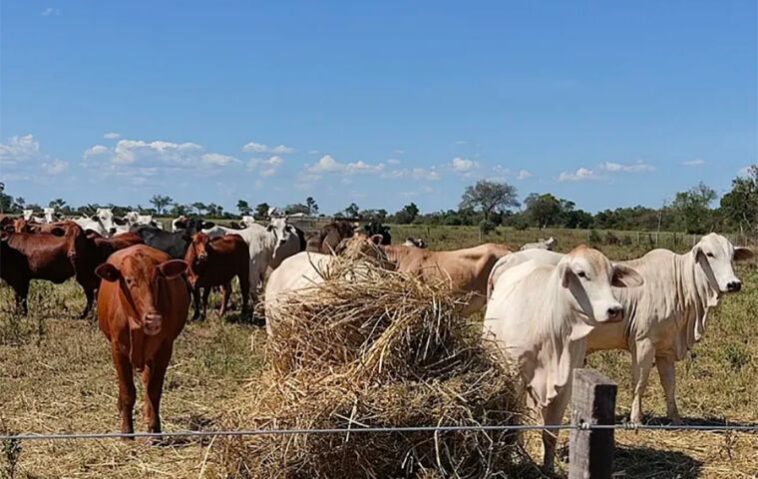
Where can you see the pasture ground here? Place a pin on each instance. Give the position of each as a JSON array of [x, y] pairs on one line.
[[56, 376]]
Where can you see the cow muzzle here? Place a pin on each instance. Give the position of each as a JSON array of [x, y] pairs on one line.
[[734, 286], [614, 314], [151, 323]]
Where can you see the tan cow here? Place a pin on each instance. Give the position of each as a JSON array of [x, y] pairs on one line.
[[665, 318], [540, 315], [466, 270]]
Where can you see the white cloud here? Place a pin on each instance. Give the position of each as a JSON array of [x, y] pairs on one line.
[[463, 165], [393, 161], [55, 167], [254, 147], [696, 162], [266, 167], [638, 167], [219, 159], [50, 12], [581, 174], [313, 152], [112, 135], [21, 158], [19, 149], [95, 151], [523, 174], [327, 164], [461, 142], [426, 174]]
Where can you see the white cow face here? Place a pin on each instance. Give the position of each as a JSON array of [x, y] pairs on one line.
[[589, 275], [28, 214], [105, 217], [716, 256], [247, 221], [281, 229]]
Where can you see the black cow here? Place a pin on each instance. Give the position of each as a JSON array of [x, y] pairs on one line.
[[174, 244]]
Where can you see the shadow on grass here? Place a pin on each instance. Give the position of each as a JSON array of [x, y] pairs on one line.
[[645, 462], [693, 421]]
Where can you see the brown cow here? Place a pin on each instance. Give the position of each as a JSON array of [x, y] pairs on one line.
[[141, 308], [54, 257], [215, 262], [466, 270], [329, 237]]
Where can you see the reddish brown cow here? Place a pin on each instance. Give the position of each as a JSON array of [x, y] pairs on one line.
[[53, 257], [215, 262], [142, 307]]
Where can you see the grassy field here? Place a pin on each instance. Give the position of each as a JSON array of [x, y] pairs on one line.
[[56, 376]]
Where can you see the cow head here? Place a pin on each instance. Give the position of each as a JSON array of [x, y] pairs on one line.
[[195, 225], [179, 223], [104, 216], [140, 281], [199, 248], [281, 230], [415, 242], [247, 221], [589, 275], [716, 255]]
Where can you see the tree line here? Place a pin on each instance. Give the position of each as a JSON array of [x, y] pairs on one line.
[[489, 204]]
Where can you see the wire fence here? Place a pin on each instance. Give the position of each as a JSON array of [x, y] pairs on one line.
[[747, 428]]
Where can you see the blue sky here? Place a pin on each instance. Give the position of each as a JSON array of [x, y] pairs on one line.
[[381, 103]]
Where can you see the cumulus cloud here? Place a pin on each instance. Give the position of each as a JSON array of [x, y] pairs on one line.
[[523, 174], [21, 158], [254, 147], [638, 167], [267, 167], [463, 165], [393, 161], [581, 174], [218, 159], [696, 162], [425, 174], [327, 164], [112, 135], [95, 151], [50, 11]]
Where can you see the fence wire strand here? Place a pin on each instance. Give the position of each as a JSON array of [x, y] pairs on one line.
[[377, 430]]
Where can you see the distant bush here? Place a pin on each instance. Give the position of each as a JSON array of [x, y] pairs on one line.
[[595, 238], [486, 226]]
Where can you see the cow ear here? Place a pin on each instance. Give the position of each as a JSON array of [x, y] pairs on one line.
[[626, 277], [376, 239], [742, 254], [208, 225], [270, 228], [58, 231], [108, 272], [172, 268], [235, 225], [565, 273], [119, 221]]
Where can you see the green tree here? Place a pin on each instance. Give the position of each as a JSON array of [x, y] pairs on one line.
[[693, 208], [261, 211], [352, 211], [244, 207], [407, 215], [488, 197], [296, 208], [543, 210], [6, 201], [57, 203], [739, 207], [178, 209], [199, 207], [312, 206], [160, 202]]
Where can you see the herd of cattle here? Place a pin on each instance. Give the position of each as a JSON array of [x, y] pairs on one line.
[[544, 309]]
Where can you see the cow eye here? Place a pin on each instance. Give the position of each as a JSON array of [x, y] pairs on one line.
[[582, 274], [710, 255]]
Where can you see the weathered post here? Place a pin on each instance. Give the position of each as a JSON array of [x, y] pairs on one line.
[[593, 401]]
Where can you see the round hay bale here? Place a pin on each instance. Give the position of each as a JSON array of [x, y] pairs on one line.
[[374, 348]]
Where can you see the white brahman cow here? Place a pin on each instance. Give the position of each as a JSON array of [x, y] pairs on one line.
[[102, 222], [540, 316], [548, 244], [665, 318]]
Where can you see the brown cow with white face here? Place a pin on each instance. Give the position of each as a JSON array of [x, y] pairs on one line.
[[141, 308]]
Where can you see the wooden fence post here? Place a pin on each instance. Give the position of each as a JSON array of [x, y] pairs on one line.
[[593, 401]]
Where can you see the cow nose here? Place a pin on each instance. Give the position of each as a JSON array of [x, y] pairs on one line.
[[112, 231], [734, 286], [152, 324], [615, 313]]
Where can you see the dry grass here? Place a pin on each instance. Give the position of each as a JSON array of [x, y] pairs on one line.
[[373, 348], [56, 376]]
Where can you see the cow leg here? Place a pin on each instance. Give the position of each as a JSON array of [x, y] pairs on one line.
[[206, 294], [89, 293], [196, 300], [226, 291], [244, 291], [22, 295], [667, 373], [126, 391], [152, 378], [643, 354]]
